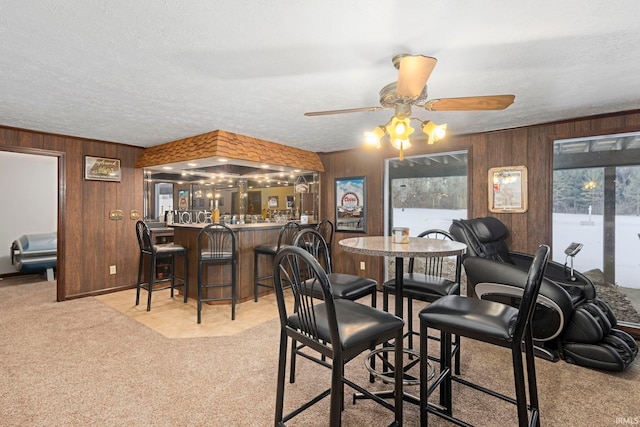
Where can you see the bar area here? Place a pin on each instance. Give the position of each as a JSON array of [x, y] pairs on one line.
[[248, 236], [252, 186]]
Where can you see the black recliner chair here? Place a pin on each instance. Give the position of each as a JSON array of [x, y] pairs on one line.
[[569, 323]]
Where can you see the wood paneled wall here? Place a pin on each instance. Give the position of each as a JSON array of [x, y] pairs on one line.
[[88, 241], [530, 146]]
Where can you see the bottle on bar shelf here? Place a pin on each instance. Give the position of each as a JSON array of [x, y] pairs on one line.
[[215, 213]]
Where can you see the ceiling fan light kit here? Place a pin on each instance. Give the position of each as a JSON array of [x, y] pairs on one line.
[[400, 144], [400, 128], [409, 90], [373, 137], [399, 131], [434, 132]]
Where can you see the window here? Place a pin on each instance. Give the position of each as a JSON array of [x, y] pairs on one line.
[[164, 199], [425, 192], [596, 202]]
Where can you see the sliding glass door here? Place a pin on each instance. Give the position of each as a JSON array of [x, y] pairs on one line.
[[596, 202]]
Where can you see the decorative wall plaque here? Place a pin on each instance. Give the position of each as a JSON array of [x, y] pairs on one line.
[[508, 189], [101, 169], [116, 214], [350, 204]]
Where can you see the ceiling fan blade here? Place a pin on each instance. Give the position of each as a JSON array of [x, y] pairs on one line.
[[414, 73], [349, 110], [494, 102]]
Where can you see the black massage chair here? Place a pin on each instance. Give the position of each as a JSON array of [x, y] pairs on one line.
[[569, 323]]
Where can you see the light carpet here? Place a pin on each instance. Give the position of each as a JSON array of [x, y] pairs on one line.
[[84, 363]]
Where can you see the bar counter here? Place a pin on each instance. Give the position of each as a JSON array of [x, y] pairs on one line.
[[248, 236]]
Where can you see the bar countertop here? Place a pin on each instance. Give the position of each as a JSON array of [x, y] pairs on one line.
[[248, 237], [248, 226]]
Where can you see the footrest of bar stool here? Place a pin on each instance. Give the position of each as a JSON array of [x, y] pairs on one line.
[[387, 375]]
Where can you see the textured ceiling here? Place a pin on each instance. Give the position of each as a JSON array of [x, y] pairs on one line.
[[145, 72]]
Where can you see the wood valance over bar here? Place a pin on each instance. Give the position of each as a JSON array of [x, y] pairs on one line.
[[229, 145]]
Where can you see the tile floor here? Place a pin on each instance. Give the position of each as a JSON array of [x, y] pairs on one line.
[[174, 319]]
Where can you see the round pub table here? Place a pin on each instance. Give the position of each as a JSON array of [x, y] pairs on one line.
[[416, 247]]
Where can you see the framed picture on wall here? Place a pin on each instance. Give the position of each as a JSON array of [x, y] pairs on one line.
[[290, 202], [350, 204], [273, 201], [508, 189], [101, 169], [183, 200]]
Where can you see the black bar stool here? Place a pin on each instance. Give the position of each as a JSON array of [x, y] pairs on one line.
[[285, 238], [336, 328], [490, 322], [326, 229], [429, 282], [155, 253], [343, 286], [216, 246]]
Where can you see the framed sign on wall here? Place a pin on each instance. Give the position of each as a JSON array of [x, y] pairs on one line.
[[508, 189], [183, 200], [290, 202], [350, 204], [101, 169]]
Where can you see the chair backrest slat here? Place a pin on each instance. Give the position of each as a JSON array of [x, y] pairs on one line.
[[531, 290], [326, 229], [144, 237], [216, 241], [433, 266], [288, 233], [313, 242], [297, 268]]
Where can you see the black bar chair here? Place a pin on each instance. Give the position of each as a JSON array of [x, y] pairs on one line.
[[166, 251], [285, 238], [344, 286], [326, 229], [338, 329], [427, 280], [487, 321], [217, 245]]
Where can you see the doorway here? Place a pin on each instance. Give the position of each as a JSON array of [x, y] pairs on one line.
[[596, 202], [33, 198]]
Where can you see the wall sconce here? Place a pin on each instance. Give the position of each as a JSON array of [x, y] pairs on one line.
[[399, 130]]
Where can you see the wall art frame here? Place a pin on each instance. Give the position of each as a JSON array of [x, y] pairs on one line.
[[102, 169], [183, 200], [508, 189], [350, 202]]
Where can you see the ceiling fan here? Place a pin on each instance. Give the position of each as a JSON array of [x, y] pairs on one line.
[[410, 90]]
